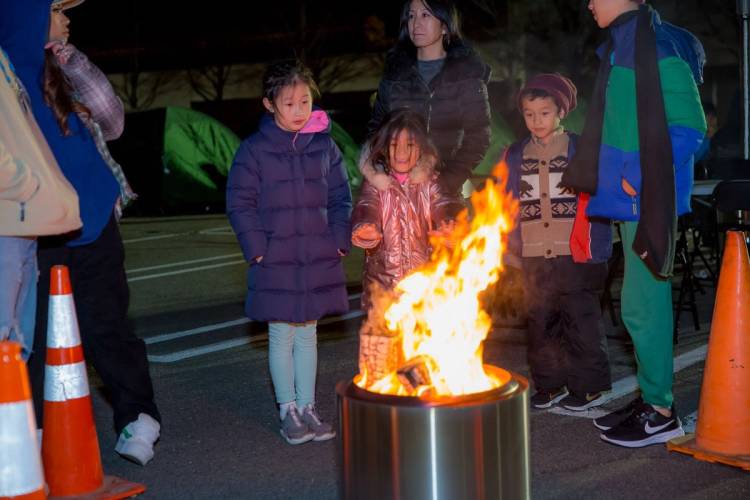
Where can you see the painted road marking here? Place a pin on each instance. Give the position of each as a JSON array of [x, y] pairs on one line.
[[166, 337], [183, 263], [151, 238], [625, 386], [219, 230], [183, 271], [225, 344]]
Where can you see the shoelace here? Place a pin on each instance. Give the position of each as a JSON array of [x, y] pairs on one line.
[[295, 417], [311, 410]]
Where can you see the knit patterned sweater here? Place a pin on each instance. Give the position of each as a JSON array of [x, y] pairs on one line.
[[547, 209]]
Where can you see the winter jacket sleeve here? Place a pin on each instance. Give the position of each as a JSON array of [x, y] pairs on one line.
[[685, 117], [243, 197], [475, 118], [368, 209], [339, 201], [17, 182], [379, 109], [94, 91], [511, 168]]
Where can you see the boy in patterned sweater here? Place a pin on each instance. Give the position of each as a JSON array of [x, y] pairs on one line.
[[563, 269]]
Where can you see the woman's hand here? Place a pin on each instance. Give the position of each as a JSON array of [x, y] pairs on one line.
[[366, 236], [58, 50]]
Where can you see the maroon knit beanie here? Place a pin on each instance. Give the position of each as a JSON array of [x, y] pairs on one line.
[[561, 89]]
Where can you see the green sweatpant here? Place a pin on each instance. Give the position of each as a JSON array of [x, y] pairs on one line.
[[647, 314]]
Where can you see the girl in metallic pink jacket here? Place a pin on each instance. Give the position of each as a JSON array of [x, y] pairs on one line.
[[400, 204]]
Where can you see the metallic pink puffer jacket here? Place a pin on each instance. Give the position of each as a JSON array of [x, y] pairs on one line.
[[404, 214]]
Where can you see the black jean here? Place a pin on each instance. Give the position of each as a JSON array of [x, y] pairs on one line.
[[566, 342], [101, 295]]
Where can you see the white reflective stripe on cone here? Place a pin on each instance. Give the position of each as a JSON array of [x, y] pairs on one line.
[[65, 382], [62, 323], [20, 462]]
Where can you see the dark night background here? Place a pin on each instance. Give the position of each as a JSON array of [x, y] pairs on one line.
[[159, 49]]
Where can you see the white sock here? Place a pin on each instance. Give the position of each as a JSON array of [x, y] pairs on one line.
[[284, 409]]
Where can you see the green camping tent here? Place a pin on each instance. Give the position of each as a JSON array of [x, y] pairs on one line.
[[198, 153], [350, 152]]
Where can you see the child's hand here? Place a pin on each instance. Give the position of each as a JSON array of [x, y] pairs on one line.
[[366, 236], [258, 259], [444, 232]]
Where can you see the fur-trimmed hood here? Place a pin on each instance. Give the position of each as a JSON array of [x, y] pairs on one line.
[[376, 174]]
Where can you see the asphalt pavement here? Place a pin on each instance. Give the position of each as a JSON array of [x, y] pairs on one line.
[[220, 434]]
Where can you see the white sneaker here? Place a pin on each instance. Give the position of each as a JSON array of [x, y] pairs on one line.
[[136, 441]]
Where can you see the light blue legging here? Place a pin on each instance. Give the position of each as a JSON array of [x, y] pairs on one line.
[[293, 358]]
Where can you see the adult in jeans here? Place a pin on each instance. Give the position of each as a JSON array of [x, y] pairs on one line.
[[75, 132], [35, 199]]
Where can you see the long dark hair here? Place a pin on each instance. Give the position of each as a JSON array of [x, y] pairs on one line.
[[444, 10], [393, 123], [287, 72], [58, 93]]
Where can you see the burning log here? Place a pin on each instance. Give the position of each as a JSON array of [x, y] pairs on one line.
[[379, 355], [415, 373]]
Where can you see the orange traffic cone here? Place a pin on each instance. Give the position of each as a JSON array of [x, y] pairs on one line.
[[21, 474], [722, 432], [70, 447]]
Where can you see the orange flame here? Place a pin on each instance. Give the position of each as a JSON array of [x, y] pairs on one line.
[[437, 311]]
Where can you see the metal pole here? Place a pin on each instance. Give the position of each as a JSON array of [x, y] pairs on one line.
[[743, 11]]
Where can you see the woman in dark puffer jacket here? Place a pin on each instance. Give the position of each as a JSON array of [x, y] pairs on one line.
[[432, 71]]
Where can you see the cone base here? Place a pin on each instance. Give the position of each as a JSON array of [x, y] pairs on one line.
[[686, 444], [113, 488]]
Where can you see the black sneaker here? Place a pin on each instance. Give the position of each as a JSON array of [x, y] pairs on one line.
[[645, 426], [544, 398], [581, 402], [615, 418]]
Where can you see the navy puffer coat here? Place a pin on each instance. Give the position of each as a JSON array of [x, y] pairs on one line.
[[288, 200]]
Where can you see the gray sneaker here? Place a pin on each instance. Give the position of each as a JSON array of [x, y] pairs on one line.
[[294, 430], [323, 431]]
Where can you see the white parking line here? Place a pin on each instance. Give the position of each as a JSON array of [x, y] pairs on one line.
[[151, 238], [183, 271], [221, 230], [625, 386], [166, 337], [198, 351], [183, 263], [225, 344]]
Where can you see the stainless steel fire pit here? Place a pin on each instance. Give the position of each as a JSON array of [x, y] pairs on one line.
[[462, 447]]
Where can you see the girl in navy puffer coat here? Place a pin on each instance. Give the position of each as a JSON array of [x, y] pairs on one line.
[[289, 203]]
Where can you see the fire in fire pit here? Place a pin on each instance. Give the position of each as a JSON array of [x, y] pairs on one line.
[[425, 418], [431, 342]]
